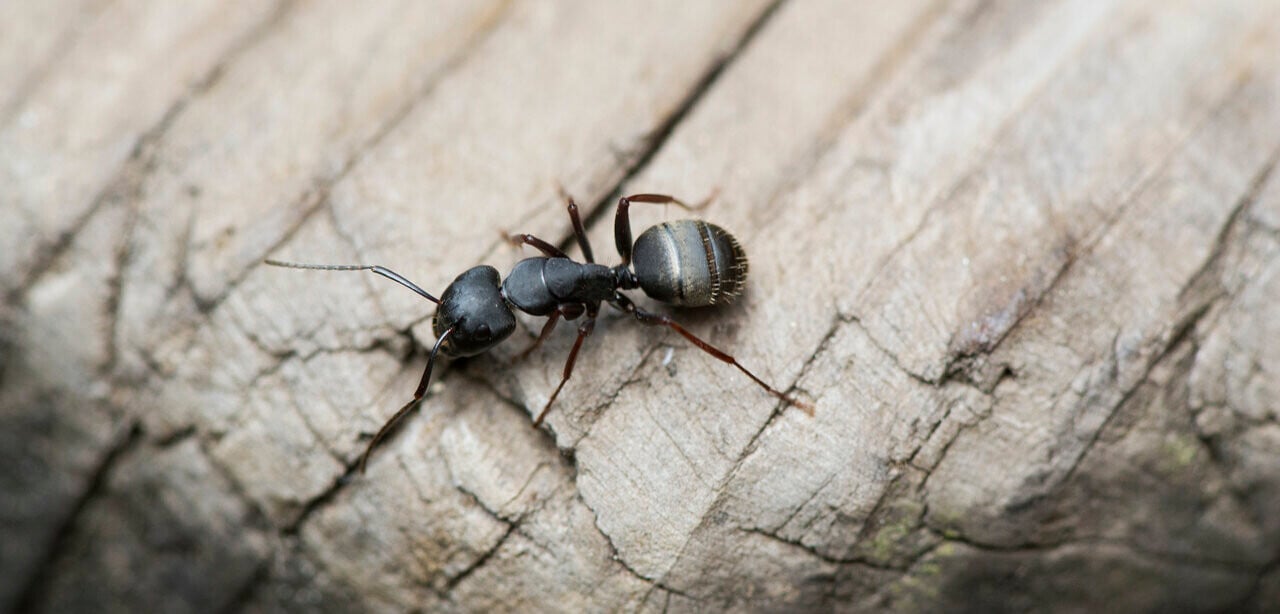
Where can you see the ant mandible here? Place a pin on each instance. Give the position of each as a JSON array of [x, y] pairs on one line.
[[689, 263]]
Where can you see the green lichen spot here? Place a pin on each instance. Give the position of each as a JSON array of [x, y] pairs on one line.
[[882, 544], [1179, 452]]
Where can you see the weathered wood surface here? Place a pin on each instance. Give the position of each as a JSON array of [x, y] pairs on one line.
[[1023, 256]]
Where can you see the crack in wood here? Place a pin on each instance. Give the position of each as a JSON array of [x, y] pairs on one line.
[[729, 475], [857, 561], [1183, 330], [1135, 549], [453, 582], [1231, 227]]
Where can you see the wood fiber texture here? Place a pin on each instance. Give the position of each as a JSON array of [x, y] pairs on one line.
[[1023, 256]]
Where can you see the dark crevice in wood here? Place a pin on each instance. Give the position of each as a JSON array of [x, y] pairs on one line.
[[182, 281], [780, 407], [97, 484], [729, 475], [525, 486], [896, 490], [946, 447], [596, 411], [854, 320], [481, 560], [746, 451], [350, 474], [616, 556], [319, 501], [1249, 602], [175, 438], [1231, 228], [569, 460], [512, 522], [812, 495], [1176, 558], [255, 520], [1183, 336], [1184, 329], [116, 292], [376, 344], [826, 558], [520, 408], [961, 363]]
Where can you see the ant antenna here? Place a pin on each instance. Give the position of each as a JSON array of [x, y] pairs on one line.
[[380, 270]]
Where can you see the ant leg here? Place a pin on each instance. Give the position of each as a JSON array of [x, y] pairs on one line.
[[645, 317], [578, 230], [584, 330], [417, 396], [542, 336], [569, 311], [622, 219], [550, 250]]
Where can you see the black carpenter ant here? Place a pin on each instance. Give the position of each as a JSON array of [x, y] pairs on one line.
[[690, 263]]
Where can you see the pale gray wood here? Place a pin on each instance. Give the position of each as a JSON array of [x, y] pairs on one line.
[[1024, 258]]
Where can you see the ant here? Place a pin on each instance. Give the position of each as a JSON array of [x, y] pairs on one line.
[[689, 263]]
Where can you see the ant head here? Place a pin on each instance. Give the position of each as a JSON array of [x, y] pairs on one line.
[[473, 307]]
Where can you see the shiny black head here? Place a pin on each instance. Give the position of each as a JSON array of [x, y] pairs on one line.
[[473, 306]]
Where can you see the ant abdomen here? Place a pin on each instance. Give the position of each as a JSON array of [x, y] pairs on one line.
[[691, 263]]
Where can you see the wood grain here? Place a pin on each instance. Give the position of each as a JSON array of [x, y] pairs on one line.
[[1024, 257]]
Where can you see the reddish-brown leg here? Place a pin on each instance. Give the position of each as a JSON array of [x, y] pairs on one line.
[[578, 230], [625, 304], [584, 331], [417, 396], [622, 219], [550, 250], [569, 311], [542, 336]]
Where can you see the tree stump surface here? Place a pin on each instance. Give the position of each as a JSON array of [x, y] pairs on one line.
[[1023, 257]]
